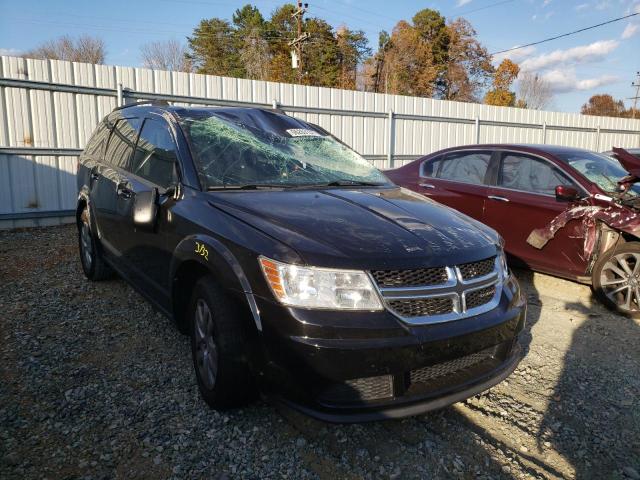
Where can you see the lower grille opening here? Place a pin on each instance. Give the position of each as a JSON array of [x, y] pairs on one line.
[[359, 389], [432, 372], [422, 306]]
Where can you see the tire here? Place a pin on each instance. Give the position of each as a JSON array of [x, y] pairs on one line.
[[616, 279], [217, 347], [93, 264]]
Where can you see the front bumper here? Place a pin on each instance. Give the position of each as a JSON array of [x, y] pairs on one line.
[[419, 405], [349, 367]]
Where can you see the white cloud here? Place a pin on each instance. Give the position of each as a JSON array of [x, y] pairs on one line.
[[566, 80], [630, 30], [582, 54], [9, 51], [462, 3], [545, 3], [581, 7], [604, 5]]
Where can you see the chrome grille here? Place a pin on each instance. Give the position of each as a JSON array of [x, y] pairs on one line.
[[410, 278], [477, 269], [479, 297], [426, 296], [426, 374], [422, 306]]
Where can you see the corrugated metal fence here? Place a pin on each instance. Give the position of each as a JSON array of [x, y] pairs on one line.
[[49, 108]]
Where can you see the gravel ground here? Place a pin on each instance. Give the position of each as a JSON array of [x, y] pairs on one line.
[[95, 384]]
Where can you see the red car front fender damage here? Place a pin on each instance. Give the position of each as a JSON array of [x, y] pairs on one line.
[[616, 217]]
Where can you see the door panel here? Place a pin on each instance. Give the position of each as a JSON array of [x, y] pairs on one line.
[[110, 183], [515, 212], [154, 165]]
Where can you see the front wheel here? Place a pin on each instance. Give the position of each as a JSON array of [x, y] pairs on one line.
[[616, 279], [93, 265], [217, 346]]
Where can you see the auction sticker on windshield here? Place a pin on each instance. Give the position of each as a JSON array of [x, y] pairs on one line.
[[302, 132]]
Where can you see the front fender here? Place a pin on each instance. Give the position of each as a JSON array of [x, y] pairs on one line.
[[219, 260]]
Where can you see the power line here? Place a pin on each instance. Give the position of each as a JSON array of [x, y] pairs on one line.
[[491, 5], [566, 34]]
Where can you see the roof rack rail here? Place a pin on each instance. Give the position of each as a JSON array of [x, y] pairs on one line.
[[157, 103]]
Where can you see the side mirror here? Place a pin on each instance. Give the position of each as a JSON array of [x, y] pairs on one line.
[[145, 209], [566, 193]]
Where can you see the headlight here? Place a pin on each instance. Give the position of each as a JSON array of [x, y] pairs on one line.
[[311, 287]]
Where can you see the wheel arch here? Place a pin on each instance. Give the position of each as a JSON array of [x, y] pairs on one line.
[[81, 204], [199, 255]]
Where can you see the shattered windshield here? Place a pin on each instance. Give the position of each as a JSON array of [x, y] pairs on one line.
[[600, 169], [229, 154]]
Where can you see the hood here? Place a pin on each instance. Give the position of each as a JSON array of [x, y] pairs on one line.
[[631, 164], [362, 228]]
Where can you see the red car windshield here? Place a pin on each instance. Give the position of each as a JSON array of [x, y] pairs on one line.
[[602, 170]]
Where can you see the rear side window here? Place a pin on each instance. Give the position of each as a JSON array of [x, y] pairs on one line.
[[95, 146], [121, 142], [530, 174], [467, 167], [156, 157]]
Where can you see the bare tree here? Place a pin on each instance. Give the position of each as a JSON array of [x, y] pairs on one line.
[[255, 56], [83, 49], [166, 55], [533, 91]]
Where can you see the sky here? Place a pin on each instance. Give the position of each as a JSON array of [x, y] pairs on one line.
[[602, 60]]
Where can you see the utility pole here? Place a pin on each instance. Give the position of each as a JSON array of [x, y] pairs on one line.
[[635, 99], [296, 55]]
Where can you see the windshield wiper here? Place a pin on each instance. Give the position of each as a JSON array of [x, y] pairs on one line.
[[249, 186], [349, 183]]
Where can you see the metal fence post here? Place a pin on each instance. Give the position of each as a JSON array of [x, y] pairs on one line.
[[477, 129], [392, 139], [544, 132], [274, 104], [120, 97], [597, 149]]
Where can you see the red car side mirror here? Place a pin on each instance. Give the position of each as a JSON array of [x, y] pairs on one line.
[[566, 193]]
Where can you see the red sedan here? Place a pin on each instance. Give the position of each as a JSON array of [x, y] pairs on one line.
[[560, 210]]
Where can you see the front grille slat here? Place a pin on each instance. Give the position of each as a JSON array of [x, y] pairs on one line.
[[410, 278], [473, 270], [479, 297]]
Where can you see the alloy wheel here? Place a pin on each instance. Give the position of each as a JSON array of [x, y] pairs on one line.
[[620, 281], [206, 349]]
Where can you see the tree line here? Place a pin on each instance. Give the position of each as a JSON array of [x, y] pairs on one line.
[[426, 56]]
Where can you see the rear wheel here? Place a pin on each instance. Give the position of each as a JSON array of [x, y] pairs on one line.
[[217, 346], [616, 279], [93, 265]]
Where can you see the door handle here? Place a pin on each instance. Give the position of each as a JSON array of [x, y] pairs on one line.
[[427, 185], [123, 191], [497, 198]]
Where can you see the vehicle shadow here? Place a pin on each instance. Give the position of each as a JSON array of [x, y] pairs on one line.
[[424, 446], [594, 422]]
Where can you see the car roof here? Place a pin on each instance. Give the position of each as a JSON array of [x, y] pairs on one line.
[[268, 120], [525, 147]]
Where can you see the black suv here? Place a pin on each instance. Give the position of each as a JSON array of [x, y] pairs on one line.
[[294, 265]]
